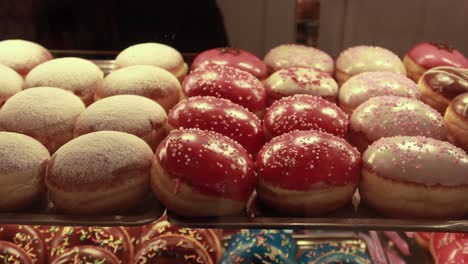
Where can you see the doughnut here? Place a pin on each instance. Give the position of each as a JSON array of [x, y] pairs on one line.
[[206, 237], [10, 83], [47, 233], [112, 239], [22, 170], [333, 252], [307, 173], [456, 121], [134, 232], [85, 255], [295, 55], [132, 114], [427, 55], [279, 239], [99, 173], [226, 82], [358, 59], [423, 238], [422, 178], [291, 81], [366, 85], [454, 253], [304, 112], [149, 81], [219, 115], [11, 253], [76, 75], [388, 116], [440, 240], [154, 54], [172, 249], [47, 114], [28, 239], [202, 174], [234, 57], [22, 55]]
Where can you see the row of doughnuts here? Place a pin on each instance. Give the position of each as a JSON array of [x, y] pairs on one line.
[[444, 248]]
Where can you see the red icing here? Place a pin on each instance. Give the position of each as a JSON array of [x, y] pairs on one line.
[[441, 240], [304, 160], [12, 254], [219, 115], [209, 162], [305, 112], [27, 238], [431, 55], [426, 236], [226, 82], [233, 57], [455, 253]]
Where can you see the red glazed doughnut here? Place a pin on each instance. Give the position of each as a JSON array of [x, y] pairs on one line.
[[22, 170], [409, 169], [132, 114], [226, 82], [456, 121], [202, 173], [291, 81], [99, 173], [154, 54], [85, 255], [427, 55], [44, 113], [304, 112], [21, 55], [172, 249], [423, 238], [113, 239], [234, 57], [454, 253], [76, 75], [307, 173], [11, 253], [294, 55], [149, 81], [388, 116], [441, 240], [366, 85], [28, 239], [359, 59], [206, 237], [219, 115], [10, 83]]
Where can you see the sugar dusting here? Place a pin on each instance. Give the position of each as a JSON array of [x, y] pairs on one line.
[[10, 83], [20, 54], [155, 54]]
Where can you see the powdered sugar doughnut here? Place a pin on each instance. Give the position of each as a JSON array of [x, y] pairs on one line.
[[10, 83], [154, 54], [44, 113], [387, 116], [132, 114], [294, 55], [98, 173], [366, 85], [22, 55], [22, 170], [291, 81], [86, 254], [362, 58], [422, 178], [149, 81], [76, 75]]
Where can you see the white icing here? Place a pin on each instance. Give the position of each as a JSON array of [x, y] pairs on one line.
[[418, 160], [155, 54], [10, 83], [20, 54]]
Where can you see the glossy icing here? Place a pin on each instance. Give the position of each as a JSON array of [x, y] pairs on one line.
[[448, 81], [226, 82], [362, 58], [305, 160], [430, 55], [172, 249], [366, 85], [209, 162], [294, 55], [305, 112], [441, 240], [327, 253], [12, 254], [291, 81], [418, 160], [25, 237], [87, 255], [460, 104], [234, 57], [455, 253], [219, 115], [387, 116]]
